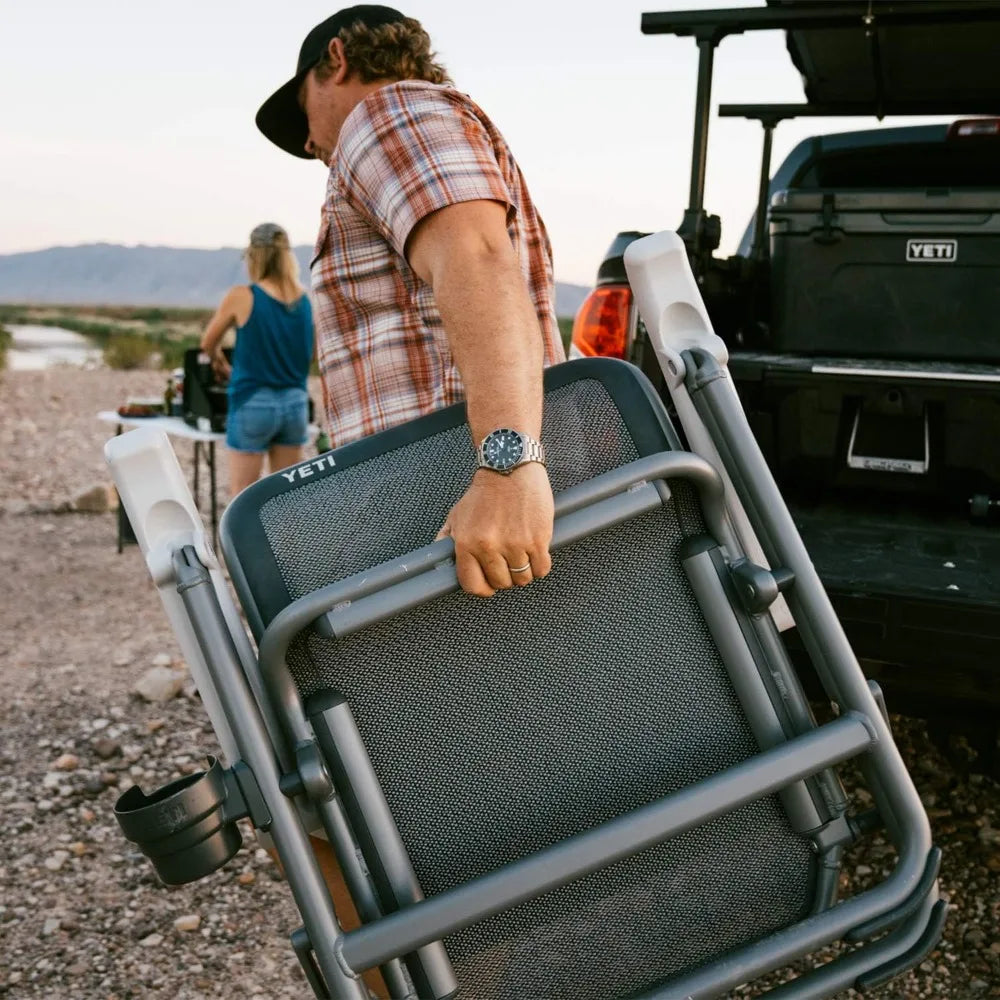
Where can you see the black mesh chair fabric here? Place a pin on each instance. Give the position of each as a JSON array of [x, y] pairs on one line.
[[497, 728]]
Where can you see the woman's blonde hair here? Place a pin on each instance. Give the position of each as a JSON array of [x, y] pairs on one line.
[[397, 51], [269, 255]]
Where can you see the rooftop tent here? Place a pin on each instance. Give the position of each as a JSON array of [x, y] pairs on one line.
[[897, 65]]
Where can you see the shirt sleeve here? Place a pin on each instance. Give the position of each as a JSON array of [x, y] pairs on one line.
[[409, 154]]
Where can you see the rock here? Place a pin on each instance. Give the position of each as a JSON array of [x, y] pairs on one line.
[[67, 762], [153, 940], [98, 499], [106, 748], [93, 786], [56, 860], [974, 939], [246, 878], [160, 683], [188, 922], [989, 836], [162, 660], [50, 926]]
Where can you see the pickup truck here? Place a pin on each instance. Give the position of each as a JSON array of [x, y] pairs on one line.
[[862, 315]]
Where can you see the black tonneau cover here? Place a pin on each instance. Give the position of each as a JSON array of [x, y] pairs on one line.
[[876, 65]]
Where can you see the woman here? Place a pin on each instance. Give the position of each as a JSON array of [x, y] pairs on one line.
[[268, 402]]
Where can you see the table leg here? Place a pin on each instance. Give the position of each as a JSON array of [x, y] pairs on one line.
[[197, 463], [211, 470], [121, 530]]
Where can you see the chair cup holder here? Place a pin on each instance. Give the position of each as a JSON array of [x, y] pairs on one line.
[[184, 828]]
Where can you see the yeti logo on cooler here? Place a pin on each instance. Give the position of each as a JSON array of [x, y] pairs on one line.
[[934, 251]]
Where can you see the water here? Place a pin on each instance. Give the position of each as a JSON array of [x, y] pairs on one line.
[[35, 348]]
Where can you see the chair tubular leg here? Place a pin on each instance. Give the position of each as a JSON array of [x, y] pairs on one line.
[[345, 847], [304, 878], [767, 727], [380, 842], [614, 840]]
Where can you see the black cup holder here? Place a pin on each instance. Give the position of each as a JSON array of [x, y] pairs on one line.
[[187, 828]]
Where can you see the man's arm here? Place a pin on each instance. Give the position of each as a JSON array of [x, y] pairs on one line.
[[464, 253]]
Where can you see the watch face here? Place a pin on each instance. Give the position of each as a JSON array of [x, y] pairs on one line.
[[503, 449]]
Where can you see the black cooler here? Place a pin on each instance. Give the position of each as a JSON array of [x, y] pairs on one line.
[[886, 274], [206, 399]]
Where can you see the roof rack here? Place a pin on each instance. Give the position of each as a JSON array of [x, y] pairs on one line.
[[775, 113], [709, 27], [734, 21]]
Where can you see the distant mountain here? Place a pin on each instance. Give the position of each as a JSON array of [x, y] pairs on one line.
[[109, 274]]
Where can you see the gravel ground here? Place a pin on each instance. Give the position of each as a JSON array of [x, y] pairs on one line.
[[82, 916]]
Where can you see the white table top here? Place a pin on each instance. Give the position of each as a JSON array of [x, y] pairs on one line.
[[172, 425]]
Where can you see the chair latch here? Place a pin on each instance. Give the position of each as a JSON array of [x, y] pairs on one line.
[[758, 588]]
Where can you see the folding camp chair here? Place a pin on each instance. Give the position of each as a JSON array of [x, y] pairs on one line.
[[606, 784]]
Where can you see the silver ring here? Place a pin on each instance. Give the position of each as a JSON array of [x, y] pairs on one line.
[[520, 569]]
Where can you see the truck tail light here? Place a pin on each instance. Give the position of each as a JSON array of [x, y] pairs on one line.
[[601, 326]]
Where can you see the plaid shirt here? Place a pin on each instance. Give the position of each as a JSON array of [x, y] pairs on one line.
[[407, 150]]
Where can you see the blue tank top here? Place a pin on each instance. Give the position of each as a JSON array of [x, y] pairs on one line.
[[274, 348]]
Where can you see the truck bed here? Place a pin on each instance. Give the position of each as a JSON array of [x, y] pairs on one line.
[[919, 597], [904, 553], [754, 365]]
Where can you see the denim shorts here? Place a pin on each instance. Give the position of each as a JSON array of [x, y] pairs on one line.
[[268, 417]]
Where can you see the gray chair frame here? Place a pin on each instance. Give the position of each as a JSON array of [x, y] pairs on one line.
[[283, 752]]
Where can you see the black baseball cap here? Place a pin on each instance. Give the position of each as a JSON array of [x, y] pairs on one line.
[[280, 118]]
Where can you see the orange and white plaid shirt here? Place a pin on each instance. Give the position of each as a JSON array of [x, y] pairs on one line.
[[408, 149]]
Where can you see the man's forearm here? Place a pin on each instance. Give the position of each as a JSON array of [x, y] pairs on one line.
[[496, 342], [502, 526]]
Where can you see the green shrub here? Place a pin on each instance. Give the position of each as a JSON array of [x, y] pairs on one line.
[[172, 350], [127, 351], [566, 330], [6, 337]]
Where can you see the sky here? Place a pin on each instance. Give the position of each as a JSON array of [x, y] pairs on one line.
[[129, 122]]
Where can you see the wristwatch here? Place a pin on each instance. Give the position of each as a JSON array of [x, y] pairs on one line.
[[503, 450]]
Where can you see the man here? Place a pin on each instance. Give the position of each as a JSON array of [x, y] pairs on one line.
[[432, 281], [432, 275]]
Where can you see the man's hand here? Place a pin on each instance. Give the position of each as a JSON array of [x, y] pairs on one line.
[[503, 523]]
